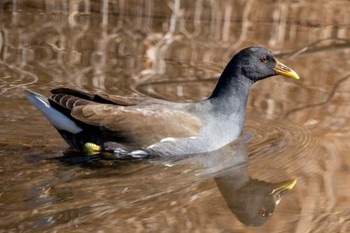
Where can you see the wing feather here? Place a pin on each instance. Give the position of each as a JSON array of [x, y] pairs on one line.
[[140, 126], [138, 121]]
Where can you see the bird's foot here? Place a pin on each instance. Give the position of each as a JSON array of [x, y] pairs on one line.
[[90, 148], [115, 149]]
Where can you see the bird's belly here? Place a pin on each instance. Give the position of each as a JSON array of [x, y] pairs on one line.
[[220, 135], [211, 138]]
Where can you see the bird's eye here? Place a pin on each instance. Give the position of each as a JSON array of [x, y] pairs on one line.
[[264, 59], [264, 213]]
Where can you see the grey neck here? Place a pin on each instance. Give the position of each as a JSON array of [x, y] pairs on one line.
[[231, 92], [231, 83]]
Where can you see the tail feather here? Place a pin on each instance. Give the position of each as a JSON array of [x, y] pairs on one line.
[[57, 119]]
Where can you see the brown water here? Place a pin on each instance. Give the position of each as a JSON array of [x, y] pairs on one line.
[[175, 50]]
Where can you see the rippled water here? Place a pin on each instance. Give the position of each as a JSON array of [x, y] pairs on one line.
[[176, 50]]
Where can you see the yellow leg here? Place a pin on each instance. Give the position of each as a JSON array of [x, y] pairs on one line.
[[91, 148]]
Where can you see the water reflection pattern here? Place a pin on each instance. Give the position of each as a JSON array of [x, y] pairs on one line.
[[252, 201], [64, 44]]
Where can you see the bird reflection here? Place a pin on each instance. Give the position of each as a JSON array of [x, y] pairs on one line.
[[252, 201]]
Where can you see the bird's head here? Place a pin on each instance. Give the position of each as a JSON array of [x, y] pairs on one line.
[[257, 63]]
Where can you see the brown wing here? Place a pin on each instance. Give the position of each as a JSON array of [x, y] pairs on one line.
[[141, 126], [99, 98], [121, 100]]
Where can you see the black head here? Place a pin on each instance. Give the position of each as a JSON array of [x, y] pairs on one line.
[[257, 63], [248, 66]]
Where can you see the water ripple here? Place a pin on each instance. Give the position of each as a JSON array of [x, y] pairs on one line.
[[276, 135]]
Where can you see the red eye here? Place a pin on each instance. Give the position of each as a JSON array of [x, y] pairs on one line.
[[264, 59]]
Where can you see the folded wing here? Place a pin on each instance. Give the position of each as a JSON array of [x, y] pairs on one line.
[[131, 121]]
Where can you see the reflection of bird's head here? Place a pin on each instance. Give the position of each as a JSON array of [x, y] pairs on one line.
[[254, 202]]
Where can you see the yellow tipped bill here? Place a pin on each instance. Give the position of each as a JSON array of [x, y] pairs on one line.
[[285, 71], [283, 187]]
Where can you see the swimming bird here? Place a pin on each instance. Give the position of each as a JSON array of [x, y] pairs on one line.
[[147, 127]]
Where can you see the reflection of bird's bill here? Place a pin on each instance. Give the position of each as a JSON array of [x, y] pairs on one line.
[[282, 188], [285, 71]]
